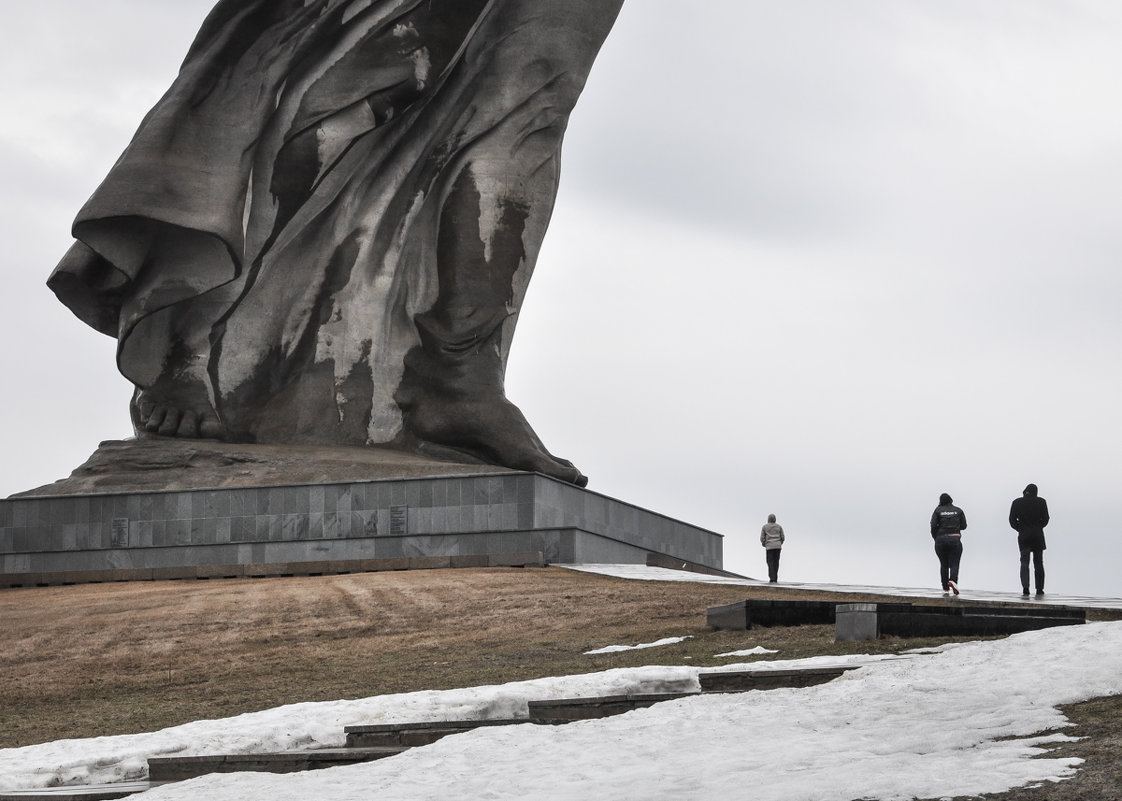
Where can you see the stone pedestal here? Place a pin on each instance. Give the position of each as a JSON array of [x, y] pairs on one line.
[[66, 533]]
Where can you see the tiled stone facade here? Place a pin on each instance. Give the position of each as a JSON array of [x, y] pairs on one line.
[[385, 519]]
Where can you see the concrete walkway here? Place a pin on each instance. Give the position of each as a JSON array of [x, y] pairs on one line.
[[643, 573]]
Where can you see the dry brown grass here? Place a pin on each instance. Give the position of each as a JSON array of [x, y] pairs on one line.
[[104, 659], [1099, 725]]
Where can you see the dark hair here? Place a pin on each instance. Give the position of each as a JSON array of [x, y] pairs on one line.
[[944, 499]]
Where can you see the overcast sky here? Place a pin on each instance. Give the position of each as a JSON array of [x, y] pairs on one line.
[[824, 260]]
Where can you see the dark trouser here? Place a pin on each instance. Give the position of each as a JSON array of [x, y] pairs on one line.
[[1037, 555], [949, 551], [773, 564]]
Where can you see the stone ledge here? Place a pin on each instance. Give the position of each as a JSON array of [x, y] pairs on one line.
[[738, 681], [672, 563], [414, 734], [570, 709], [175, 769]]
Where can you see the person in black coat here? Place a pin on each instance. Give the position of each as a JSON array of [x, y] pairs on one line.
[[1028, 515], [947, 523]]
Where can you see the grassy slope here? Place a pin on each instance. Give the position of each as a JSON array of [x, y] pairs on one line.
[[104, 659]]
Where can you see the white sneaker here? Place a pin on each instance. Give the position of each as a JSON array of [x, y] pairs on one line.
[[953, 586], [946, 593]]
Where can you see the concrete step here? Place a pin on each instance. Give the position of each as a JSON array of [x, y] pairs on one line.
[[176, 769], [556, 711], [738, 681], [89, 792], [401, 735], [567, 710]]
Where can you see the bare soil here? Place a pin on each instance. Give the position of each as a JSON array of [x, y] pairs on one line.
[[1099, 725], [102, 659]]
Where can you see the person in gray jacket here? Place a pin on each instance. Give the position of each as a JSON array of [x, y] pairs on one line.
[[947, 524], [772, 538]]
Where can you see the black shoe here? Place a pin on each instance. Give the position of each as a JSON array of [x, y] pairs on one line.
[[1040, 593], [1025, 593]]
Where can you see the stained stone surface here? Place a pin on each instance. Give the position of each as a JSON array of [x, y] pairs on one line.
[[323, 232], [178, 464]]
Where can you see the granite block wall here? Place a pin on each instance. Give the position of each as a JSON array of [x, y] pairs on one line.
[[453, 516]]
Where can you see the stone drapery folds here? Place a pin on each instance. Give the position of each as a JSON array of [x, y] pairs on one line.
[[323, 232]]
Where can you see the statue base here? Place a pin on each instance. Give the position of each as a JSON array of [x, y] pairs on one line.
[[170, 509]]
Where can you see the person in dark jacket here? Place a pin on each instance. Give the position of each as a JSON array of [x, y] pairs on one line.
[[1028, 515], [947, 524]]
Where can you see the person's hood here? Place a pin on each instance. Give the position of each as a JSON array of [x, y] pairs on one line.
[[1030, 491]]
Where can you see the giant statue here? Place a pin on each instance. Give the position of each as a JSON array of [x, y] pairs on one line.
[[324, 230]]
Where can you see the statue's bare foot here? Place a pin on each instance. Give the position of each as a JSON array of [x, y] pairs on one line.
[[490, 428], [180, 410]]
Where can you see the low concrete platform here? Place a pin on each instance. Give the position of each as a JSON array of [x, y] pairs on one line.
[[569, 709], [868, 621], [742, 615]]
